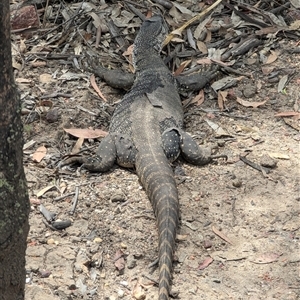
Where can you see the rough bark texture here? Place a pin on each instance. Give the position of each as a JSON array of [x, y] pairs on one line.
[[14, 204]]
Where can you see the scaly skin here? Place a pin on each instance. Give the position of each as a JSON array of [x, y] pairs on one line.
[[146, 132]]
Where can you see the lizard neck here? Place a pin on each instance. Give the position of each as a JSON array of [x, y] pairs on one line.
[[148, 61]]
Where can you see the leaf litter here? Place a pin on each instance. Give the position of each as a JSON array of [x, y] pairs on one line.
[[249, 42]]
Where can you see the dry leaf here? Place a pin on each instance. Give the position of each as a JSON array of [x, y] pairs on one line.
[[199, 99], [129, 51], [94, 85], [77, 146], [266, 258], [44, 190], [182, 66], [23, 80], [39, 154], [202, 47], [219, 131], [138, 292], [28, 144], [222, 97], [282, 82], [249, 103], [204, 61], [287, 114], [119, 260], [207, 261], [178, 31], [86, 133], [221, 235], [267, 69], [224, 83], [279, 155], [46, 78], [271, 58]]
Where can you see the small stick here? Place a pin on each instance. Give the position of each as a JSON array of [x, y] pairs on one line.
[[254, 165], [63, 196], [75, 200], [49, 216]]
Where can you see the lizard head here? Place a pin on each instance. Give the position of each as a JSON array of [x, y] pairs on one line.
[[150, 37]]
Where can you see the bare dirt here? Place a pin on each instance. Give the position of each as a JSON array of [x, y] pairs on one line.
[[239, 228]]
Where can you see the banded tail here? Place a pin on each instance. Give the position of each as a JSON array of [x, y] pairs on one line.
[[157, 177]]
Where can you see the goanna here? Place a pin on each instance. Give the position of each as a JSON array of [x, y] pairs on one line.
[[146, 133]]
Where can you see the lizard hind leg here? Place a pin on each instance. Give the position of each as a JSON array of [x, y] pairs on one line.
[[171, 143], [106, 156], [125, 149], [191, 151]]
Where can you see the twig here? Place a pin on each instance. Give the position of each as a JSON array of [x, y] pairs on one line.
[[254, 165], [49, 216], [63, 196], [151, 279], [75, 200], [188, 23], [56, 94]]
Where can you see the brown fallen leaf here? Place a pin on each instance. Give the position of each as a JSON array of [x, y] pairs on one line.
[[199, 99], [77, 146], [86, 133], [138, 292], [287, 114], [266, 258], [271, 58], [221, 235], [207, 261], [128, 55], [204, 61], [39, 154], [119, 260], [94, 85], [202, 47], [222, 97], [249, 103], [182, 66], [266, 70]]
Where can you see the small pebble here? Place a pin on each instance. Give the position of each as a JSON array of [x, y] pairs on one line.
[[50, 241], [52, 115], [121, 293], [207, 244], [131, 262], [97, 240], [237, 182], [267, 161], [249, 90], [123, 245], [118, 196]]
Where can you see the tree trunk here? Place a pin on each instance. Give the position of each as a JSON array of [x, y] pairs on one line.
[[14, 203]]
